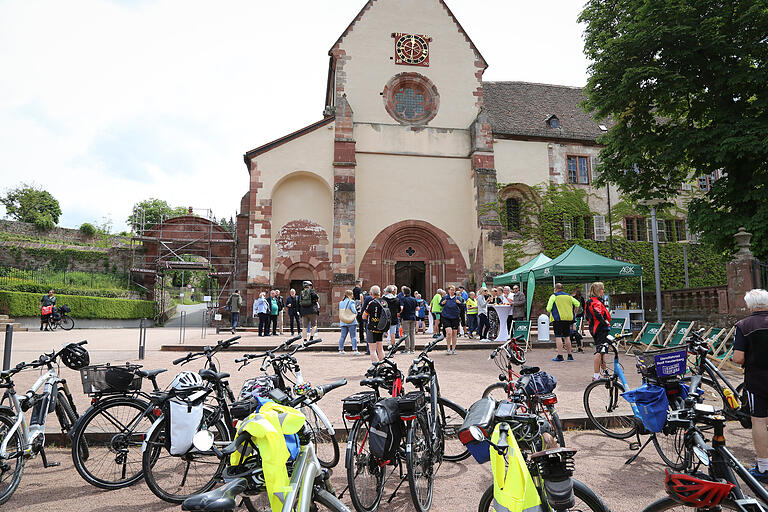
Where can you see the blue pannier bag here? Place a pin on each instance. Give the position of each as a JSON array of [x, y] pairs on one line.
[[652, 404], [291, 440]]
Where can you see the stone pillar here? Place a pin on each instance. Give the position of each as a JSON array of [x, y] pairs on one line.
[[344, 163], [741, 274], [489, 255]]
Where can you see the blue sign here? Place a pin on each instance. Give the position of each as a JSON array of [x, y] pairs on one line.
[[671, 363]]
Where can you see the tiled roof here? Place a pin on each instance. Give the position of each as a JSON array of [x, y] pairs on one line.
[[523, 108]]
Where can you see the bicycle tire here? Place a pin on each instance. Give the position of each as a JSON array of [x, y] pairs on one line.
[[361, 463], [67, 419], [52, 324], [420, 462], [453, 449], [497, 391], [326, 445], [557, 425], [156, 452], [668, 504], [67, 323], [620, 426], [6, 423], [105, 446], [583, 494]]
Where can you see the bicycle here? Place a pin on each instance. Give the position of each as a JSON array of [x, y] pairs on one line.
[[21, 441], [719, 489], [540, 404], [176, 477], [551, 471], [430, 431], [287, 377], [247, 477], [59, 318]]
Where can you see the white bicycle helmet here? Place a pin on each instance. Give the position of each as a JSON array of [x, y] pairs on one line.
[[186, 381]]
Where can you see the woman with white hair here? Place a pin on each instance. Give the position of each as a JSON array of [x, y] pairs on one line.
[[750, 348], [260, 310]]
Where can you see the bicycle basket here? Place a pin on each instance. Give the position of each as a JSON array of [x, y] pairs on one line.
[[105, 378], [652, 404], [665, 362]]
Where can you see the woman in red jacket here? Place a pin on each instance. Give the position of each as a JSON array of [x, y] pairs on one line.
[[599, 325]]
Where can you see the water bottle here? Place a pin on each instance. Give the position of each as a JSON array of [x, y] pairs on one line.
[[299, 378], [732, 400]]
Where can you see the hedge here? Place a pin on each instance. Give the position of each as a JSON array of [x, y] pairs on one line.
[[30, 287], [20, 304]]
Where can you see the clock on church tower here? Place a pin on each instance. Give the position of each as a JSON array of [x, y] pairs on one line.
[[411, 49]]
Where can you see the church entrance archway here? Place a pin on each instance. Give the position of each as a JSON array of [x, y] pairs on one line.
[[400, 251]]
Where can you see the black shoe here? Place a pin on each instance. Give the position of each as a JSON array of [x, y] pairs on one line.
[[311, 338]]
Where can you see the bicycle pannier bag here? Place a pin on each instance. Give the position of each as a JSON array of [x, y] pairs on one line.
[[652, 404], [541, 383], [305, 299], [480, 414], [46, 310], [385, 430], [185, 419], [65, 309], [385, 320]]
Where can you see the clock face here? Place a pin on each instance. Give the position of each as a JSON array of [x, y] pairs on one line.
[[412, 49]]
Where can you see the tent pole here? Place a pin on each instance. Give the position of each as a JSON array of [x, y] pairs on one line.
[[553, 281], [642, 300]]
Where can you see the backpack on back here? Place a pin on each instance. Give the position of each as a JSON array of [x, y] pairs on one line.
[[386, 429], [305, 299], [385, 319]]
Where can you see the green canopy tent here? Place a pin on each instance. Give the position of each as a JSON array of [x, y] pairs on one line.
[[578, 265], [520, 274]]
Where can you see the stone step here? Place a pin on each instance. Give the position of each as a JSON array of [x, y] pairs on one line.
[[16, 326], [4, 317]]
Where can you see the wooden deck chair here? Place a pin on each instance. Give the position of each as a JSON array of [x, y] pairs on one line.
[[713, 337], [677, 335], [619, 326], [722, 351], [522, 328], [649, 335]]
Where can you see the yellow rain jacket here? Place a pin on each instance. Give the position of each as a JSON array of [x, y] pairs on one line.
[[268, 427], [513, 488]]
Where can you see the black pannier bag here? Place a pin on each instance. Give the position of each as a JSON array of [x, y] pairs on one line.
[[481, 414], [243, 408], [386, 429]]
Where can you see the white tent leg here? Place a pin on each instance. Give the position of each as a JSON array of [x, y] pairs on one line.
[[642, 301]]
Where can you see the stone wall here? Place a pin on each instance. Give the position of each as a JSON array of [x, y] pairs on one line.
[[74, 258], [63, 234]]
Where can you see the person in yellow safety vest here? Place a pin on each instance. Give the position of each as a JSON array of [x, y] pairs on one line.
[[269, 427], [561, 307], [471, 315], [513, 487]]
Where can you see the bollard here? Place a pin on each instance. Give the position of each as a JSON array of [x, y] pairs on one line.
[[8, 344], [142, 338], [182, 327]]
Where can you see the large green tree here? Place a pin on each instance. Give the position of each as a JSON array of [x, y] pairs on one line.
[[684, 87], [151, 211], [28, 203]]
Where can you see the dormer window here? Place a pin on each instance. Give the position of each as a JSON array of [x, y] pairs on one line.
[[553, 121]]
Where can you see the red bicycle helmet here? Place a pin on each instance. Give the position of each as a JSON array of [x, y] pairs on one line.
[[696, 492]]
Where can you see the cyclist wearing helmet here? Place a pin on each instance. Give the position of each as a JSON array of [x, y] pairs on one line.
[[309, 308], [599, 325]]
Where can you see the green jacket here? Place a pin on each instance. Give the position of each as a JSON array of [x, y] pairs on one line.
[[435, 305], [234, 302], [561, 307]]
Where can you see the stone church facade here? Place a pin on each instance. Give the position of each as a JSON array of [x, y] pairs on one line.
[[398, 182]]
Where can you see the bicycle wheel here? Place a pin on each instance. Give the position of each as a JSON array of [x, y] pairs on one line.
[[174, 478], [67, 323], [557, 426], [326, 445], [364, 475], [668, 504], [113, 431], [67, 418], [710, 393], [452, 419], [420, 461], [497, 391], [585, 499], [52, 324], [607, 410], [11, 468]]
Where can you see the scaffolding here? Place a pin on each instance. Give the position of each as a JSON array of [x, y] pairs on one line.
[[158, 249]]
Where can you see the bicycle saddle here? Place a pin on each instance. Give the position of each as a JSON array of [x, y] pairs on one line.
[[150, 373], [529, 370], [222, 499], [211, 375]]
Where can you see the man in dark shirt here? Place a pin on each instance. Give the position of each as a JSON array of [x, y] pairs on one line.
[[750, 348], [372, 314], [46, 308], [357, 295], [366, 299], [292, 304], [408, 318]]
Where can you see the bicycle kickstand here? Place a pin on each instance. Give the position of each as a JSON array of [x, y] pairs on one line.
[[632, 458], [47, 464]]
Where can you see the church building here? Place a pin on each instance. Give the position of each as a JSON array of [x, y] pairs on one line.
[[398, 182]]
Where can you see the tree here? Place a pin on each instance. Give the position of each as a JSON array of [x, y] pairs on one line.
[[684, 85], [28, 203], [152, 211]]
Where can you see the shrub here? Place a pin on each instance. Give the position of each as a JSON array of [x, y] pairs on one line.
[[87, 229], [44, 222], [19, 304]]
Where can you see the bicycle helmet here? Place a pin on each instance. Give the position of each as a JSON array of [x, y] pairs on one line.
[[696, 492], [186, 381], [74, 356], [516, 355], [306, 284]]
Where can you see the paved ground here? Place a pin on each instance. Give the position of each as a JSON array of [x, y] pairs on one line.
[[600, 461]]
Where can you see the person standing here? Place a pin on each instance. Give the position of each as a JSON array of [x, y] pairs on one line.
[[421, 311], [561, 307], [435, 309], [750, 348], [483, 325], [280, 307], [292, 305], [372, 315], [274, 310], [516, 299], [348, 303], [260, 307], [471, 315], [234, 303], [579, 316], [309, 307], [599, 319], [408, 317], [394, 309], [47, 302], [449, 317], [357, 296], [367, 298]]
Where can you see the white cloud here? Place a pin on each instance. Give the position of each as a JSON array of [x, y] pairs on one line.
[[107, 103]]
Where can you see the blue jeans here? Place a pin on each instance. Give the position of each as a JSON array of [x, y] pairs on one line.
[[351, 330], [235, 318], [472, 321]]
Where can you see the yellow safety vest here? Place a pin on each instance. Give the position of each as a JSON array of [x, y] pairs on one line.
[[513, 488], [269, 427]]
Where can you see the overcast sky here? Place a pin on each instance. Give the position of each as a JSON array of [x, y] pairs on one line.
[[106, 103]]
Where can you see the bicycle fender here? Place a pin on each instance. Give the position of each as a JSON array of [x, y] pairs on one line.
[[4, 409], [149, 432], [323, 418]]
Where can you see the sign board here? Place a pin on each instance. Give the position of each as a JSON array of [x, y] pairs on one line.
[[207, 298], [672, 363], [181, 295], [189, 286], [217, 316]]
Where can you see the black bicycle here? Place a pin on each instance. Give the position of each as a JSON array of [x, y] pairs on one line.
[[59, 318]]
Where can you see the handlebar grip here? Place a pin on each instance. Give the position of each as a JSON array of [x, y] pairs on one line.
[[373, 382], [241, 359], [84, 342], [180, 360], [312, 342], [291, 340], [230, 340], [325, 388], [503, 433]]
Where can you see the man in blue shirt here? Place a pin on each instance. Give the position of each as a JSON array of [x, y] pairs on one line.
[[449, 317]]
